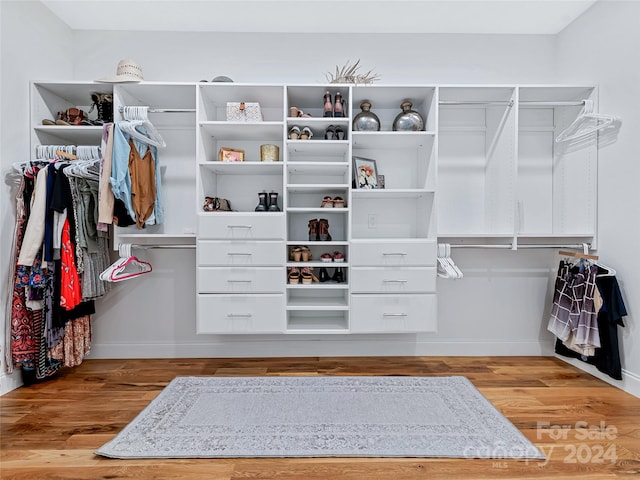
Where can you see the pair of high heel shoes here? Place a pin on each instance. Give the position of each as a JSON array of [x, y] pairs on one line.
[[333, 108], [338, 275], [334, 133], [295, 133], [267, 202], [302, 275]]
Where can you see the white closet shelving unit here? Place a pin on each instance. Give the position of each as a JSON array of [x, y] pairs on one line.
[[393, 237], [49, 98], [486, 170], [239, 254], [172, 110], [316, 168], [502, 177], [556, 182]]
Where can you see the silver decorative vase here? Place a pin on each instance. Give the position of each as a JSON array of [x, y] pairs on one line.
[[408, 120], [366, 120]]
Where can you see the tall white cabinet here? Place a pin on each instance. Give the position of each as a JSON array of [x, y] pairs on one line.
[[486, 169]]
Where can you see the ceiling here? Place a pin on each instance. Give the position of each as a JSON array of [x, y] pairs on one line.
[[322, 16]]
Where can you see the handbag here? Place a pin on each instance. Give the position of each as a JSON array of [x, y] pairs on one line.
[[216, 204], [244, 112]]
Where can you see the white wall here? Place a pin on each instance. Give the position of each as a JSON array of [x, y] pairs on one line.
[[497, 309], [34, 45], [601, 47]]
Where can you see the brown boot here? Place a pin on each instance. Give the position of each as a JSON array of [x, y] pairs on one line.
[[323, 230], [313, 230]]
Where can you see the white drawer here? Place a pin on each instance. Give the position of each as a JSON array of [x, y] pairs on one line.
[[240, 279], [398, 253], [240, 313], [211, 252], [393, 279], [393, 313], [241, 226]]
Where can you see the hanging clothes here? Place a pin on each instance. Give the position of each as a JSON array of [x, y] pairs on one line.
[[143, 184], [573, 311], [52, 297], [606, 358], [135, 161], [105, 193]]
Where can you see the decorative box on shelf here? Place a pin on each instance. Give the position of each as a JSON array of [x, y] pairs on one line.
[[244, 112]]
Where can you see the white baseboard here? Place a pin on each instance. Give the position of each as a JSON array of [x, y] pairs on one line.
[[10, 381], [234, 347], [630, 382]]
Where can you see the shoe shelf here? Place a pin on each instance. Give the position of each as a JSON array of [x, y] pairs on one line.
[[242, 130], [330, 285], [308, 174], [310, 99], [47, 99], [325, 151], [67, 135], [249, 167], [392, 140], [328, 299], [391, 193], [323, 322], [318, 263]]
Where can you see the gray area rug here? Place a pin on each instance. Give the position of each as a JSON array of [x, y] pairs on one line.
[[208, 417]]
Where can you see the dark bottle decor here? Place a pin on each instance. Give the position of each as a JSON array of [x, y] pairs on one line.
[[408, 120], [366, 120]]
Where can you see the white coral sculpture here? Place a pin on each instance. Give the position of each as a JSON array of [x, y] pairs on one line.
[[349, 74]]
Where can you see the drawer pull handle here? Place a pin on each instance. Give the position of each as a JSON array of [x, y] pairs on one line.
[[239, 226], [394, 314], [231, 254], [395, 254], [239, 315], [239, 281], [395, 281]]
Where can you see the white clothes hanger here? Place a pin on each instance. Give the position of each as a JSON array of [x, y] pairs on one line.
[[585, 124], [126, 267], [446, 266], [136, 117], [608, 271]]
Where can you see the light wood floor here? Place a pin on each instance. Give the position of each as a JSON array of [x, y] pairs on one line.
[[587, 429]]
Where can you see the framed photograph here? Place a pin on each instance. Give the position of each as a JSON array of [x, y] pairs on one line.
[[365, 173], [230, 155], [380, 181]]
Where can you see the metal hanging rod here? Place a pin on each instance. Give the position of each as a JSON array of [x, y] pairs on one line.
[[165, 110], [519, 246], [178, 246], [508, 103], [159, 245], [575, 103]]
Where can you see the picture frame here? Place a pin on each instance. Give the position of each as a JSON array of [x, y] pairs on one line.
[[365, 173], [230, 155]]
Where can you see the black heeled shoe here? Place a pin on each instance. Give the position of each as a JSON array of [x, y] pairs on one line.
[[338, 275], [328, 105], [339, 133], [330, 133], [262, 205], [323, 275]]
